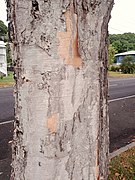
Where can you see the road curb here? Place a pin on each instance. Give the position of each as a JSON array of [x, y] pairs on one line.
[[121, 150]]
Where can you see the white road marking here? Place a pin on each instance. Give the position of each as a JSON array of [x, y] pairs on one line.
[[111, 85], [6, 122], [118, 99]]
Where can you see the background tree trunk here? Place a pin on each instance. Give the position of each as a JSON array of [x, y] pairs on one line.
[[60, 58]]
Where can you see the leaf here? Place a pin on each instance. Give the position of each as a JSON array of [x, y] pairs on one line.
[[117, 174]]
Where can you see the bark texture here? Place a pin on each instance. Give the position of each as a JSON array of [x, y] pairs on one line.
[[60, 58]]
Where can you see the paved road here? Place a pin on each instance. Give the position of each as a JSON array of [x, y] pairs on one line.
[[6, 104], [121, 87], [121, 111], [122, 123], [6, 136]]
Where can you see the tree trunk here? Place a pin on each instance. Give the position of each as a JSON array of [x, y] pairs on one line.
[[60, 60]]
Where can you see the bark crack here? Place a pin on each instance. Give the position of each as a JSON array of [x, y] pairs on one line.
[[62, 139], [35, 9]]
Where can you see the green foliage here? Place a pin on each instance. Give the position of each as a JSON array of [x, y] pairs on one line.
[[123, 42], [4, 37], [128, 65], [3, 31], [115, 68], [7, 81], [111, 53]]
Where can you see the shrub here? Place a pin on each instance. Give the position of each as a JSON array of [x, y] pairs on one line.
[[128, 65], [115, 68]]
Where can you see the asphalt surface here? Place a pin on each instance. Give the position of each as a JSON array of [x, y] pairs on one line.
[[6, 136], [121, 112], [6, 131], [121, 87], [6, 104], [122, 123]]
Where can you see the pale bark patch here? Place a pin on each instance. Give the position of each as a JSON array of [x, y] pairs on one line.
[[68, 42], [52, 123]]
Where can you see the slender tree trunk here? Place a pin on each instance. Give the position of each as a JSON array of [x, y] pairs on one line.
[[60, 57]]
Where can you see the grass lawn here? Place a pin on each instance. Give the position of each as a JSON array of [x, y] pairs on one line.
[[119, 74], [7, 81], [122, 167]]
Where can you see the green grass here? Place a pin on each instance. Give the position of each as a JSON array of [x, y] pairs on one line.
[[7, 81], [122, 167], [119, 74]]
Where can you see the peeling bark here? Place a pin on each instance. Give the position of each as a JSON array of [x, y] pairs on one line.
[[60, 60]]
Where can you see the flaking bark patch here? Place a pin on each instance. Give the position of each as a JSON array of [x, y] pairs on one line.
[[68, 42], [52, 123]]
